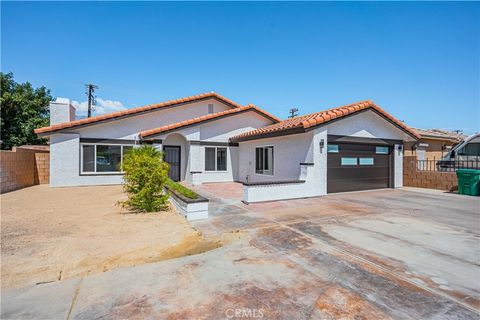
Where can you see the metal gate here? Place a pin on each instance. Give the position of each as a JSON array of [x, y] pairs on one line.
[[173, 158]]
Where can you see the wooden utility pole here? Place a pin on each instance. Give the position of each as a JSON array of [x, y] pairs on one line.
[[293, 113], [91, 98]]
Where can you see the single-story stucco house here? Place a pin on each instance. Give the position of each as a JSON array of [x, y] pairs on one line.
[[433, 143], [209, 138]]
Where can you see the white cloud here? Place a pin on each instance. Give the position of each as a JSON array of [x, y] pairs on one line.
[[102, 107]]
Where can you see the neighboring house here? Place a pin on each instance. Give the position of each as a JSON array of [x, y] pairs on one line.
[[208, 138], [433, 144]]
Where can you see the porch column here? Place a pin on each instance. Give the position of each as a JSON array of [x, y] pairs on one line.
[[195, 161], [398, 165]]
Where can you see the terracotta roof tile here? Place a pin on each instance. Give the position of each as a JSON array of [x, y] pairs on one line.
[[440, 134], [133, 111], [314, 119], [201, 119]]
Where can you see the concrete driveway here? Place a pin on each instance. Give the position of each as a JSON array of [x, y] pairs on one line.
[[401, 254]]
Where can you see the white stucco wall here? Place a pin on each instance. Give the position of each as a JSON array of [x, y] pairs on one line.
[[212, 132], [65, 164], [288, 153], [176, 139], [367, 124], [61, 110], [65, 148], [222, 129], [129, 127], [315, 176], [398, 166]]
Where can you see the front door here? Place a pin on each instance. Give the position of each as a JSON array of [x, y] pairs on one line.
[[172, 157]]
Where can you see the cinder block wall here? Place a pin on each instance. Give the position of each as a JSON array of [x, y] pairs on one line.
[[427, 179], [23, 167], [42, 167]]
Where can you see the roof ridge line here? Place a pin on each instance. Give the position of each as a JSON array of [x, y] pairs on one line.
[[132, 111], [195, 120]]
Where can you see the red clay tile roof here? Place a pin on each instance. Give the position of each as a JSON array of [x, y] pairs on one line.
[[302, 123], [207, 117], [440, 134], [151, 107]]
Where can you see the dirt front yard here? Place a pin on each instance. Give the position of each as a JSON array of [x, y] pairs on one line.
[[50, 234]]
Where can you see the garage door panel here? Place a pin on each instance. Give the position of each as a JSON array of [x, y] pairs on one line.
[[359, 173], [361, 169], [356, 185]]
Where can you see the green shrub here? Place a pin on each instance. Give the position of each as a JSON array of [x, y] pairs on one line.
[[145, 176], [178, 188]]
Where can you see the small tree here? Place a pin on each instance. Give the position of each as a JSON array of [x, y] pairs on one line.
[[145, 176]]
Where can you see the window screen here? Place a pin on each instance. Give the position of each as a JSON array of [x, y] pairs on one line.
[[209, 159]]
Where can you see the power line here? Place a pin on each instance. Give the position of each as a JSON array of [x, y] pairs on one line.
[[91, 98]]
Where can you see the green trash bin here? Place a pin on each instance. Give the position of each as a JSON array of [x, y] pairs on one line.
[[468, 182]]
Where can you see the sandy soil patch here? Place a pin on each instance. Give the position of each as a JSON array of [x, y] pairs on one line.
[[49, 234]]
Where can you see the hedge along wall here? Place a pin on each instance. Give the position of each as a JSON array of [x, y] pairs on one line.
[[23, 167], [412, 177]]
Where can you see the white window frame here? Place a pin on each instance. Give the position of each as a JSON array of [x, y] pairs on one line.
[[216, 158], [255, 160], [95, 158]]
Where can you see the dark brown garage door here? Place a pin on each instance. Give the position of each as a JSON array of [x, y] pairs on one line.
[[354, 167]]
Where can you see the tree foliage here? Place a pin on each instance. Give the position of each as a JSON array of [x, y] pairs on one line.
[[145, 176], [23, 109]]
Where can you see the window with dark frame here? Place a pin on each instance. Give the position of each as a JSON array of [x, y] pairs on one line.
[[99, 158], [264, 160], [221, 159], [215, 159]]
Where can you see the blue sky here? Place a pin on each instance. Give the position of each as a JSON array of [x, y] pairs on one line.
[[417, 60]]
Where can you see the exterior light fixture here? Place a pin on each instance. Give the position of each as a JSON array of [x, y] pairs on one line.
[[322, 144]]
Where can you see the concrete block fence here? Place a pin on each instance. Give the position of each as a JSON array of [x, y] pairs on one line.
[[23, 167], [412, 177]]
